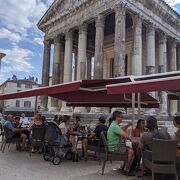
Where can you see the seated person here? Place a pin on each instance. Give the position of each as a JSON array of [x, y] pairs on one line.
[[140, 128], [101, 127], [24, 121], [115, 135], [16, 122], [153, 132], [4, 119], [38, 123], [77, 123], [56, 119], [93, 138], [64, 125], [176, 122], [110, 121], [14, 132]]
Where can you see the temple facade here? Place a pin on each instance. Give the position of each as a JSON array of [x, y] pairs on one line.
[[96, 39]]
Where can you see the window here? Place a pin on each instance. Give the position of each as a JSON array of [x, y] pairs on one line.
[[28, 86], [27, 104], [18, 85], [17, 103]]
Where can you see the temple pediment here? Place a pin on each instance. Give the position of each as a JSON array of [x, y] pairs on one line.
[[58, 9]]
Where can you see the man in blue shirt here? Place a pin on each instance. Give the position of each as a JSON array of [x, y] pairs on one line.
[[14, 132]]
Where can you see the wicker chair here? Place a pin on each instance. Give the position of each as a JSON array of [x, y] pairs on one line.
[[163, 158], [8, 140], [108, 156], [37, 138]]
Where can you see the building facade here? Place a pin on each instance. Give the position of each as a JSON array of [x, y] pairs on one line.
[[17, 106], [122, 37]]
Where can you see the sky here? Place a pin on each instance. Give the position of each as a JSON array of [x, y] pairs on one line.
[[21, 40]]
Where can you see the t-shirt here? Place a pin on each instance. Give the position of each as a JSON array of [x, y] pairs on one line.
[[100, 128], [63, 126], [147, 137], [24, 122], [10, 126], [114, 137]]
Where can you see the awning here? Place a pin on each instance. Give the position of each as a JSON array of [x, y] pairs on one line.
[[169, 82], [88, 93]]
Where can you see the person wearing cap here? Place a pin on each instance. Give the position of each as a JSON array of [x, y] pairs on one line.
[[14, 132]]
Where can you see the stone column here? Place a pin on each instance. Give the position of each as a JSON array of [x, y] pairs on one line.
[[82, 52], [89, 59], [162, 67], [120, 38], [67, 65], [150, 41], [173, 67], [99, 48], [82, 58], [45, 72], [151, 58], [119, 43], [56, 70], [137, 46], [99, 53], [178, 68]]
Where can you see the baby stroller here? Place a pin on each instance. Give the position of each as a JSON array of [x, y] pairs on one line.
[[56, 146]]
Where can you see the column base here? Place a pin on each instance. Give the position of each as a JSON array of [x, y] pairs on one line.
[[54, 109], [118, 109], [66, 109], [96, 110], [151, 112], [80, 110]]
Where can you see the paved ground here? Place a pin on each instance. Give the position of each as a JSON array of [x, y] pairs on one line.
[[20, 166]]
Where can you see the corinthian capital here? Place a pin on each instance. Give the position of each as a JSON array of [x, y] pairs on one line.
[[162, 38], [100, 20], [57, 39], [137, 21], [120, 8], [47, 43], [83, 28], [150, 28], [69, 35]]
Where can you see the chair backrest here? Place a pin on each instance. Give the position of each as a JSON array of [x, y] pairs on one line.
[[5, 132], [164, 150], [38, 133], [104, 142]]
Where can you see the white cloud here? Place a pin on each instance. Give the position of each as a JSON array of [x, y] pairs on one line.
[[39, 40], [5, 33], [172, 2], [20, 15], [17, 60]]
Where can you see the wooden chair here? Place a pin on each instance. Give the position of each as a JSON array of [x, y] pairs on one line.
[[8, 140], [108, 156], [163, 158], [38, 135]]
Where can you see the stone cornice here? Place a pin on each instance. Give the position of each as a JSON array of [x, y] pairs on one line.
[[89, 9]]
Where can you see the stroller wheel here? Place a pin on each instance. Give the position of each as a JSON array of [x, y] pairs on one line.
[[56, 160], [46, 157]]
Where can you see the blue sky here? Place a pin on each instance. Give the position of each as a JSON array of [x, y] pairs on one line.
[[22, 41]]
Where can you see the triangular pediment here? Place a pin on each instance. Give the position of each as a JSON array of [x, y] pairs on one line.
[[58, 9]]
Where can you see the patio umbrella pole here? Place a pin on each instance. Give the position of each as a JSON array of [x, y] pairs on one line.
[[139, 105], [133, 109]]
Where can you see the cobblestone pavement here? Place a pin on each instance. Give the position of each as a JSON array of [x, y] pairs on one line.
[[20, 166]]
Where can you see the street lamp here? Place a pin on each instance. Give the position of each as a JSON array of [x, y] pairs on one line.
[[2, 55]]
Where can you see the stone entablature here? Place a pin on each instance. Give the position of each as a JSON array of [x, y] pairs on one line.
[[67, 14]]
